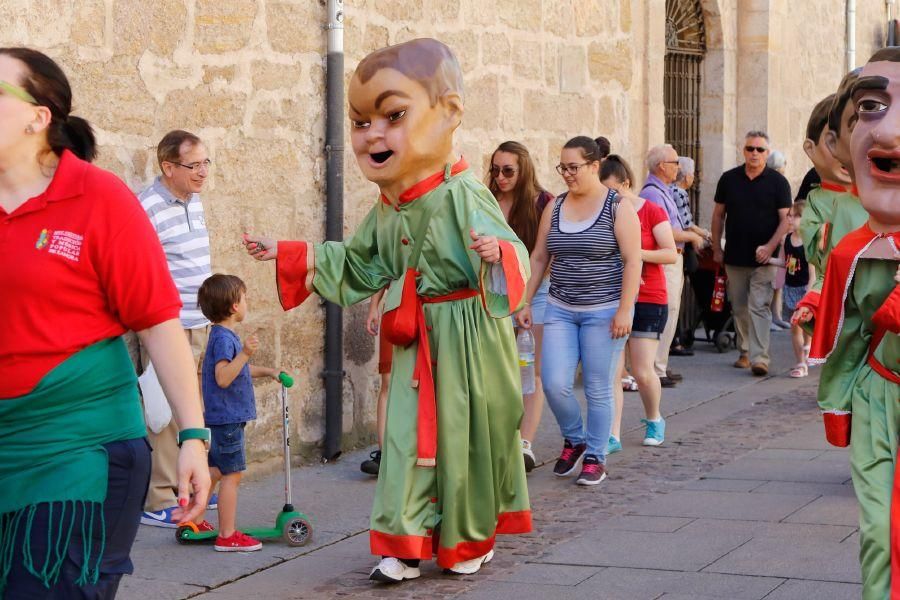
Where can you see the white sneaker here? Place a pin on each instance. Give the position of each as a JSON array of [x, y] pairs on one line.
[[392, 570], [528, 456], [468, 567]]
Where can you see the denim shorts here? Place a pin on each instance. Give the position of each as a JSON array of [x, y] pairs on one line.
[[791, 297], [649, 320], [226, 448], [539, 303]]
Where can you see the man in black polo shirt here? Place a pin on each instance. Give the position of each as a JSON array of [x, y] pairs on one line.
[[752, 201]]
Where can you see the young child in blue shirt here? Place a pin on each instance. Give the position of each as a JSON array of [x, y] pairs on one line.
[[228, 398]]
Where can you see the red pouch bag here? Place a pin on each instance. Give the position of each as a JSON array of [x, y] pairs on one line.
[[717, 303], [401, 301]]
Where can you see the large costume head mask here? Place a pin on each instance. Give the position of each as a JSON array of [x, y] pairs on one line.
[[405, 103], [827, 166], [875, 141], [841, 118]]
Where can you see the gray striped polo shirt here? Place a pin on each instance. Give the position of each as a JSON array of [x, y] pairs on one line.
[[181, 227]]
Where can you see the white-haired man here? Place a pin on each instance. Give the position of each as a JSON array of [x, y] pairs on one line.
[[662, 165]]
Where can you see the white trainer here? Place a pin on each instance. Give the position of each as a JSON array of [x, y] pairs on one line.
[[392, 570], [468, 567]]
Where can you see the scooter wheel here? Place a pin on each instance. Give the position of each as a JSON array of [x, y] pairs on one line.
[[723, 341], [297, 532], [181, 534]]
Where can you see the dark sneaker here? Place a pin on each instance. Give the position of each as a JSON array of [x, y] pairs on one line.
[[592, 471], [673, 375], [667, 382], [568, 459], [371, 466]]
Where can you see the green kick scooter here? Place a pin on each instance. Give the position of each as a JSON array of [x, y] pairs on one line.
[[290, 524]]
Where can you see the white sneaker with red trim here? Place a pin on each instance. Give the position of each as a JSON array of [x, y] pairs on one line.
[[468, 567]]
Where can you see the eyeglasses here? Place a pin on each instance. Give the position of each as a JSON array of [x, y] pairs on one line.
[[569, 169], [507, 171], [670, 162], [18, 92], [759, 149], [194, 167]]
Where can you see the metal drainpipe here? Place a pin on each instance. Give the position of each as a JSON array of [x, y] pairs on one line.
[[333, 374], [851, 35], [892, 24]]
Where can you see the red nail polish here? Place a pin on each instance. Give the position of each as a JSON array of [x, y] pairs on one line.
[[182, 502]]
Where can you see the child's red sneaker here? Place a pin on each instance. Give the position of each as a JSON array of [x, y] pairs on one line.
[[238, 542], [205, 525]]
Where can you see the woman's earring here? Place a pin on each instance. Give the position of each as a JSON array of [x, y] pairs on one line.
[[29, 128]]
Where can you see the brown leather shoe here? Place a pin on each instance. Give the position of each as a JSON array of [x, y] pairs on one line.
[[759, 369], [742, 363]]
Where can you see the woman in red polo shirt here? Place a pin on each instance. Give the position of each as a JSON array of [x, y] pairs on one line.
[[651, 309], [79, 264]]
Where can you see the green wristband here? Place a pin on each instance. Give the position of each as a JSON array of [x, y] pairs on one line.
[[199, 433]]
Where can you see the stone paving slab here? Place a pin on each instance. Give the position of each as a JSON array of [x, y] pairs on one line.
[[783, 454], [782, 470], [138, 587], [762, 529], [707, 484], [808, 437], [805, 590], [806, 489], [793, 559], [567, 575], [828, 510], [501, 590], [650, 583], [679, 551], [724, 505], [647, 523]]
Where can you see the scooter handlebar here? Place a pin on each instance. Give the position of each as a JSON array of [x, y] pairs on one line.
[[285, 379]]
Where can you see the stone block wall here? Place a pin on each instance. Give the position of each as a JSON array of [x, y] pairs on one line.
[[247, 76]]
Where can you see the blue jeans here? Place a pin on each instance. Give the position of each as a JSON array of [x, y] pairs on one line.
[[570, 337]]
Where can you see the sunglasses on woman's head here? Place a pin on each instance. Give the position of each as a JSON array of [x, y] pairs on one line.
[[18, 92], [507, 171]]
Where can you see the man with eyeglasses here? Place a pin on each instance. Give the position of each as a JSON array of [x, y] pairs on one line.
[[752, 204], [172, 202], [662, 164]]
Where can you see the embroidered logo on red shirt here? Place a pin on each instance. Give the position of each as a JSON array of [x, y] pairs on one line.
[[42, 239], [66, 244]]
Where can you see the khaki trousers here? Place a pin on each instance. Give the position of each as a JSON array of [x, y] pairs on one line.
[[163, 490], [750, 292], [674, 283]]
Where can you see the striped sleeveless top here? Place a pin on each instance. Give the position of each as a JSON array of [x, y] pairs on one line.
[[587, 267]]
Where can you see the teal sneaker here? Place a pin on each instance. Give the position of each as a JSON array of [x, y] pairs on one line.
[[655, 433], [613, 445]]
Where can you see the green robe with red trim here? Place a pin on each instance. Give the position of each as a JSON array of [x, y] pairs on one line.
[[477, 487]]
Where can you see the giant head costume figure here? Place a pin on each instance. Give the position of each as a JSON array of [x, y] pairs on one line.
[[841, 118], [827, 166], [405, 103], [875, 141]]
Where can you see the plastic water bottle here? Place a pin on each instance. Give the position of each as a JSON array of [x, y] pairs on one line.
[[525, 345]]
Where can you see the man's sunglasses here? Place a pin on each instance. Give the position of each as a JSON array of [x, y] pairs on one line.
[[759, 149], [507, 171]]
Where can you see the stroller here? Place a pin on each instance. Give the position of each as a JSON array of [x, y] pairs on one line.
[[718, 326]]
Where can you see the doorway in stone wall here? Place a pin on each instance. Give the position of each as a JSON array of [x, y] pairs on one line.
[[685, 49]]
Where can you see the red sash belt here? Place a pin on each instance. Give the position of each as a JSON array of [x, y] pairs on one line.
[[876, 365], [423, 377]]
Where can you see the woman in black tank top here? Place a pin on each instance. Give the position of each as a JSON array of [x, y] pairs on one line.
[[594, 241]]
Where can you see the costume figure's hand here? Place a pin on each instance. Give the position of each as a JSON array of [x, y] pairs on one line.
[[259, 247], [802, 315], [193, 481], [523, 317], [763, 254], [251, 344], [373, 320], [621, 324], [718, 255], [487, 247]]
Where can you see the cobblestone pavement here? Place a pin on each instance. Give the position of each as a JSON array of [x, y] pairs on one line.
[[634, 479]]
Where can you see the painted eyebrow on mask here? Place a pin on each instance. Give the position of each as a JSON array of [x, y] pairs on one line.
[[387, 94], [872, 82]]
